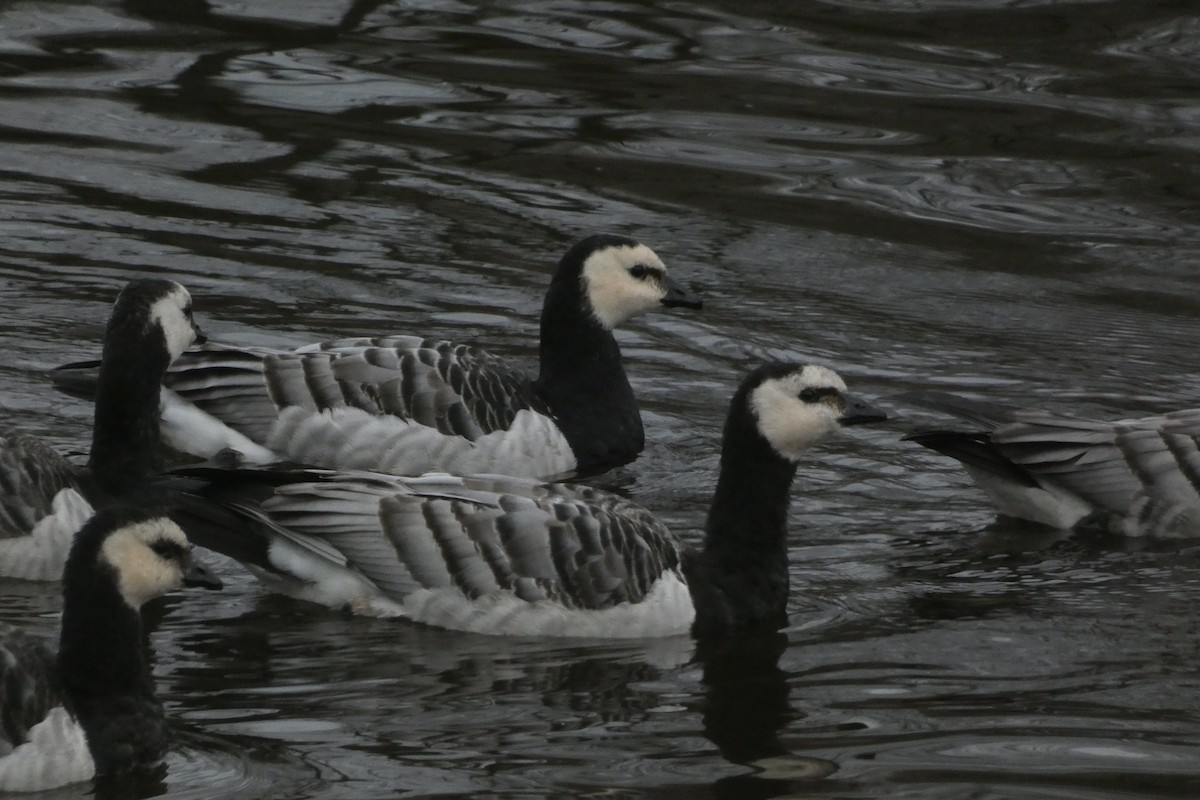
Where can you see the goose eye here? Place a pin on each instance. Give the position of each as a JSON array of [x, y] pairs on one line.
[[167, 549], [810, 395], [639, 271]]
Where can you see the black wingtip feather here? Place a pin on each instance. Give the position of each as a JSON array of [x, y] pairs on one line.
[[974, 450], [78, 379]]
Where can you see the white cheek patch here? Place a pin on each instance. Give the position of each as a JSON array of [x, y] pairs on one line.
[[168, 314], [141, 573], [788, 423], [616, 295]]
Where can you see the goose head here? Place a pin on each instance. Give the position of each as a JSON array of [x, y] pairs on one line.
[[796, 406], [153, 306], [143, 552], [622, 278]]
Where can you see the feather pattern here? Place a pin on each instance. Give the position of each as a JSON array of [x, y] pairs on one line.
[[32, 473], [482, 535], [1134, 477], [27, 684]]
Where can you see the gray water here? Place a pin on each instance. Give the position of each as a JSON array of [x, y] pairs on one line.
[[992, 196]]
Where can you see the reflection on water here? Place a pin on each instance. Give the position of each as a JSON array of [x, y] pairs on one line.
[[989, 196]]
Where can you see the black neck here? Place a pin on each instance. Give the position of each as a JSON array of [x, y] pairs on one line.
[[126, 448], [106, 682], [740, 577], [583, 381], [100, 652]]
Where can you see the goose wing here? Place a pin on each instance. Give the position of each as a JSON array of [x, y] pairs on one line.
[[26, 690], [1146, 470], [455, 389], [483, 535], [31, 474], [1142, 475]]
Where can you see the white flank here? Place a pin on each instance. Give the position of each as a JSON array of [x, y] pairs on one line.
[[667, 610], [1050, 506], [349, 438], [56, 754], [40, 556], [316, 579], [189, 430]]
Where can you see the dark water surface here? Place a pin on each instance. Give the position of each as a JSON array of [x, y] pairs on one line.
[[995, 196]]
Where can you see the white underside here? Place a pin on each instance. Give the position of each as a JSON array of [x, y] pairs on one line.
[[189, 430], [316, 579], [349, 438], [55, 754], [666, 610], [1049, 506], [41, 554]]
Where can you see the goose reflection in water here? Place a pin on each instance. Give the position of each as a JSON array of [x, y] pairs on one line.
[[745, 708]]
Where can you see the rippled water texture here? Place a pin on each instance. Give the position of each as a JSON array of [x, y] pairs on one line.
[[996, 196]]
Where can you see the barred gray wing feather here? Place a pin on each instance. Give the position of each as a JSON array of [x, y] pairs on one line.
[[456, 389], [1145, 471], [1106, 463], [229, 383], [399, 404], [31, 474], [485, 534], [27, 689]]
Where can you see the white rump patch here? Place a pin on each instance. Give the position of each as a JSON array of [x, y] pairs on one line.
[[189, 430], [614, 294], [349, 438], [667, 610], [790, 424], [55, 754], [41, 555]]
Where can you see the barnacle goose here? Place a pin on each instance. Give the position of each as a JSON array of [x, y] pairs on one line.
[[503, 555], [406, 404], [45, 497], [1132, 477], [91, 708]]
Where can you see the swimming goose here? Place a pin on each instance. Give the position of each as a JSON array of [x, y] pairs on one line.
[[1132, 477], [91, 709], [45, 497], [406, 404], [511, 556]]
